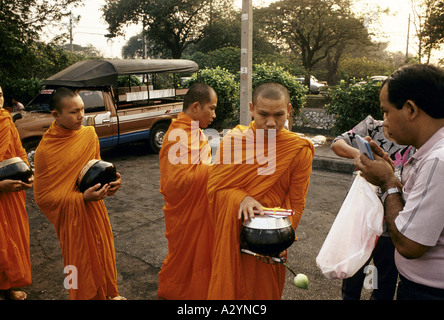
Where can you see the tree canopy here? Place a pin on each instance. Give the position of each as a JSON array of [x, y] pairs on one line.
[[433, 31], [170, 23], [314, 29], [25, 59], [20, 29]]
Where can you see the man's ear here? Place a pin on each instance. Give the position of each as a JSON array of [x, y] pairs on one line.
[[412, 109]]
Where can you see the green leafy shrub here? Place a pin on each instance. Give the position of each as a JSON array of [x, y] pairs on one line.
[[23, 90], [273, 73], [127, 81], [227, 89], [350, 104]]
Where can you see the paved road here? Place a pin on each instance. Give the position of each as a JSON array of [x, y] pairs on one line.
[[138, 225]]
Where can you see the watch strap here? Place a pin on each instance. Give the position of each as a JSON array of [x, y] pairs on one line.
[[390, 191]]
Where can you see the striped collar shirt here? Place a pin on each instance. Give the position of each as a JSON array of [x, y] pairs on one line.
[[422, 218]]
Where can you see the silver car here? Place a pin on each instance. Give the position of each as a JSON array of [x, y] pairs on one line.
[[315, 84]]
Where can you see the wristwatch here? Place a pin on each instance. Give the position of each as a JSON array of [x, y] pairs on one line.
[[390, 191]]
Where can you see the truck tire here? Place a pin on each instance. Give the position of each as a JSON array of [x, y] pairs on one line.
[[30, 146], [156, 136]]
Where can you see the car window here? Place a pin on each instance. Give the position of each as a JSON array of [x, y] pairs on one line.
[[142, 95], [160, 90], [93, 100]]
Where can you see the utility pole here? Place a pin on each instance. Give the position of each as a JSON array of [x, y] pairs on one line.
[[71, 44], [246, 61], [144, 42], [407, 47]]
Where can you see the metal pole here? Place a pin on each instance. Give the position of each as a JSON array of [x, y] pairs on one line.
[[144, 42], [407, 46], [71, 44], [246, 61]]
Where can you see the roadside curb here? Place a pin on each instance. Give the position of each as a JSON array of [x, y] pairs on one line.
[[333, 164], [324, 157]]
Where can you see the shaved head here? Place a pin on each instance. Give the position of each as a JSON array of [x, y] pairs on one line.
[[271, 90]]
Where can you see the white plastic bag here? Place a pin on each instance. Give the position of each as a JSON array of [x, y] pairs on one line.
[[354, 232]]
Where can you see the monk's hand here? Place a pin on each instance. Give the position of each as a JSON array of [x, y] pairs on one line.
[[29, 184], [247, 206], [15, 185], [115, 185], [96, 192]]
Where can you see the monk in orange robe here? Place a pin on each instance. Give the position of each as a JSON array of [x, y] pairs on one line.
[[242, 181], [185, 163], [80, 219], [15, 262]]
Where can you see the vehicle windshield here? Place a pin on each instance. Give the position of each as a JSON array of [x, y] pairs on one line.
[[41, 103]]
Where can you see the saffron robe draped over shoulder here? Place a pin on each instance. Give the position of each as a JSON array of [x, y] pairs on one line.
[[185, 160], [281, 182], [83, 229], [15, 262]]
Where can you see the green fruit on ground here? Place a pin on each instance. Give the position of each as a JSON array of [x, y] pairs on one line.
[[301, 281]]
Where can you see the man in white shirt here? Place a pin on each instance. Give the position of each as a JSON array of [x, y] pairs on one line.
[[412, 100]]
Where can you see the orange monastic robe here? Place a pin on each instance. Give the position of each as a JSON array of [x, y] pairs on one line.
[[83, 229], [185, 160], [15, 262], [282, 183]]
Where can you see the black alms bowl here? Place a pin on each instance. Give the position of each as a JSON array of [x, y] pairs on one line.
[[15, 169], [267, 235], [94, 172]]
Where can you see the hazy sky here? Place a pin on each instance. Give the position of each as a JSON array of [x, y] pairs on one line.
[[91, 28]]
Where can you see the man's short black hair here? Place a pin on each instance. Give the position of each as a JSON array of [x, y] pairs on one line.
[[58, 95], [271, 90], [198, 92], [421, 83]]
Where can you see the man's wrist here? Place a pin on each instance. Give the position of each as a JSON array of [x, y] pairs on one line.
[[390, 184], [389, 192]]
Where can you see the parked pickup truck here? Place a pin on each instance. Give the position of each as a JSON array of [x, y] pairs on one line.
[[119, 114]]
